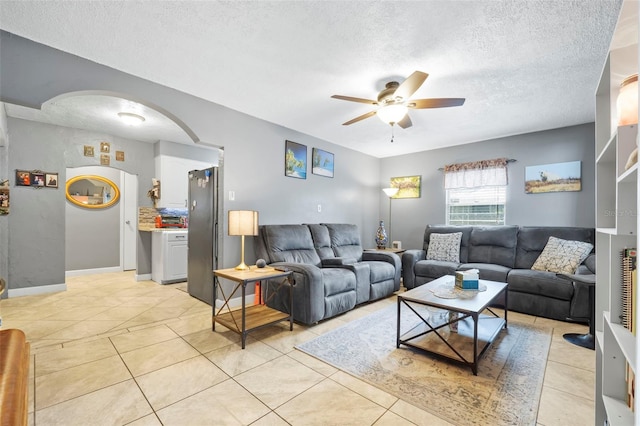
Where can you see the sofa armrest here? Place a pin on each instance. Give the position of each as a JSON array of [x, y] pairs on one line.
[[409, 260], [389, 257], [308, 292], [338, 261]]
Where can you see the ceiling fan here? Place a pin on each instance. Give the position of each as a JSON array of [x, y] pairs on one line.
[[394, 103]]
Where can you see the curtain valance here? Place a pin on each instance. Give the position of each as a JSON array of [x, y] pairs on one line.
[[476, 174]]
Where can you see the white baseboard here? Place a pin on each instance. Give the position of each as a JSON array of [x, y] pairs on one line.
[[32, 291], [236, 302], [79, 272], [143, 277]]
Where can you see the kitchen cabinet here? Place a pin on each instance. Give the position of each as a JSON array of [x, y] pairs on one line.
[[173, 173], [169, 256]]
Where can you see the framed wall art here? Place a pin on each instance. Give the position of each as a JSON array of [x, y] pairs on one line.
[[119, 155], [105, 147], [295, 160], [322, 163], [105, 160], [408, 186], [51, 180], [556, 177], [88, 151], [23, 178]]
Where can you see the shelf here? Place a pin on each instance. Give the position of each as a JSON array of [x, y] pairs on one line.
[[255, 316], [629, 176], [608, 153], [617, 412], [609, 231], [626, 340]]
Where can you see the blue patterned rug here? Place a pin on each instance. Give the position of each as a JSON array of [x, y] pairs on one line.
[[506, 390]]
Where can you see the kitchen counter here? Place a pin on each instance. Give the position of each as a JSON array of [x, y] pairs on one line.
[[144, 228]]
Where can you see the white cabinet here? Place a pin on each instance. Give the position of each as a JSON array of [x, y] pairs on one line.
[[174, 179], [169, 256], [616, 228]]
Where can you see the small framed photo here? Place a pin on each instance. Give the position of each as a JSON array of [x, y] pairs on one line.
[[37, 179], [23, 178], [295, 160], [88, 151], [322, 163], [51, 180], [105, 160], [119, 155], [105, 147]]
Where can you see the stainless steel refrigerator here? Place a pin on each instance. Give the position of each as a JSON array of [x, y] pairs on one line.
[[203, 231]]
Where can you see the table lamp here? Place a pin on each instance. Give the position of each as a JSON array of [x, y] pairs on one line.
[[243, 222], [390, 193]]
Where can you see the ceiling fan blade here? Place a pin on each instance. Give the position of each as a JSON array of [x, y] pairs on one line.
[[405, 122], [361, 117], [410, 85], [435, 103], [352, 99]]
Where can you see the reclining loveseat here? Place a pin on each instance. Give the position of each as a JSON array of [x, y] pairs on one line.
[[508, 254], [331, 270]]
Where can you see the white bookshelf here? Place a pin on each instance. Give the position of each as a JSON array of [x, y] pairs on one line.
[[616, 227]]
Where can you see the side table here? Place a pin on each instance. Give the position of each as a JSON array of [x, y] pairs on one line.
[[249, 318], [584, 340]]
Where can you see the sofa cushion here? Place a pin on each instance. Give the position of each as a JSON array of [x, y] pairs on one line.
[[434, 268], [345, 240], [488, 271], [533, 239], [562, 256], [448, 229], [493, 244], [542, 283], [445, 247], [321, 240], [290, 243]]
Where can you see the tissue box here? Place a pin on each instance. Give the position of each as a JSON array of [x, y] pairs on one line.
[[467, 280]]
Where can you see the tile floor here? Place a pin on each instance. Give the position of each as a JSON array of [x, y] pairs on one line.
[[114, 351]]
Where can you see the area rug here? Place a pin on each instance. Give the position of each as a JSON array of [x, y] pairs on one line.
[[506, 390]]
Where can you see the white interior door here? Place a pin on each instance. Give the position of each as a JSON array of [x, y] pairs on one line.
[[129, 215]]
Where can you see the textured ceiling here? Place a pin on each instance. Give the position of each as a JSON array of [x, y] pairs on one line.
[[522, 65]]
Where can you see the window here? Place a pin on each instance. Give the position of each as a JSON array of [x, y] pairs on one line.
[[476, 206]]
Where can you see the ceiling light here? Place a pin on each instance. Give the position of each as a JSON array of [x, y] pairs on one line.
[[131, 118], [391, 114]]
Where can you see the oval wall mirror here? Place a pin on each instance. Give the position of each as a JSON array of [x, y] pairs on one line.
[[92, 192]]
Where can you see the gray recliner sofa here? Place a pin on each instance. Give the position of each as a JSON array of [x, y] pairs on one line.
[[506, 254], [331, 270]]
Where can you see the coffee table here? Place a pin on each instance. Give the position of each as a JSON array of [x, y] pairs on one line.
[[460, 328]]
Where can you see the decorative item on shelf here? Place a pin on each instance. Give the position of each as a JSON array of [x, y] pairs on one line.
[[627, 103], [633, 159], [154, 192], [261, 263], [243, 222], [390, 193], [381, 236]]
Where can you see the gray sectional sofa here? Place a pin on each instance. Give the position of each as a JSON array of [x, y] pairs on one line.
[[332, 273], [506, 254]]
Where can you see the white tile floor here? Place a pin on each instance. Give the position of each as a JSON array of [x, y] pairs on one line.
[[114, 351]]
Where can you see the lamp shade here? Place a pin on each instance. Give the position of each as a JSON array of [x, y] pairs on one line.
[[243, 222], [391, 191], [627, 102], [392, 114]]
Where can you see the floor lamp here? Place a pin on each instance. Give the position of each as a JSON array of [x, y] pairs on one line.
[[390, 193], [243, 222]]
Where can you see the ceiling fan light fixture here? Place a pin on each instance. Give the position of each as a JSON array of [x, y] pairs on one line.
[[131, 118], [391, 114]]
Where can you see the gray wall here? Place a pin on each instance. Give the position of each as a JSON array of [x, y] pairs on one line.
[[253, 159], [577, 143]]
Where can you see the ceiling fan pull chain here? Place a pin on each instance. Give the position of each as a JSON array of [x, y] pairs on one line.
[[391, 132]]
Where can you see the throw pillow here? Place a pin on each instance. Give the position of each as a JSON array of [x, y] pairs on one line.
[[562, 256], [444, 247]]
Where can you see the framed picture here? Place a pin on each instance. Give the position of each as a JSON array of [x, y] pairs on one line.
[[295, 160], [119, 155], [51, 180], [556, 177], [105, 160], [105, 147], [408, 186], [37, 179], [322, 163], [23, 178], [4, 198], [88, 151]]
